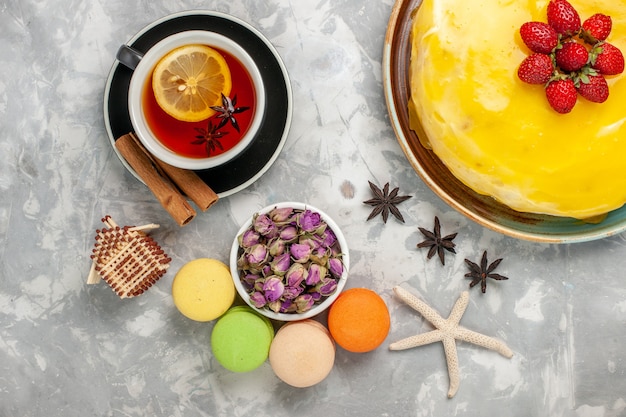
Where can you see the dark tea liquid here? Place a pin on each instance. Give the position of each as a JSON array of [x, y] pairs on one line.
[[179, 136]]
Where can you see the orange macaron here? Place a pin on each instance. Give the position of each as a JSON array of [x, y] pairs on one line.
[[359, 320]]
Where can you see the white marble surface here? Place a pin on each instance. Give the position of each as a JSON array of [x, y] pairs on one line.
[[68, 349]]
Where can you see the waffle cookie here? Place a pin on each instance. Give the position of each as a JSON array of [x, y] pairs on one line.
[[127, 259]]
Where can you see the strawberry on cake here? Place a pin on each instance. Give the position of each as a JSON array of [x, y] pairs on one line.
[[522, 100]]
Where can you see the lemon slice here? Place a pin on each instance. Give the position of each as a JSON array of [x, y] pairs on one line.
[[189, 80]]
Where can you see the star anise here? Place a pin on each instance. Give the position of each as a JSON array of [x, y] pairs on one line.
[[227, 112], [481, 273], [209, 137], [385, 202], [437, 243]]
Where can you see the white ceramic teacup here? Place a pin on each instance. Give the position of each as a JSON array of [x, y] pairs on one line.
[[143, 66]]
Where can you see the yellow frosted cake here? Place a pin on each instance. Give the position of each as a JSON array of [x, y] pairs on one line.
[[499, 135]]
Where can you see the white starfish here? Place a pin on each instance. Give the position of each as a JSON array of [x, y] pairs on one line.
[[447, 331]]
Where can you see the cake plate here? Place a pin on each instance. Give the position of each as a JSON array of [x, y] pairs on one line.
[[482, 209]]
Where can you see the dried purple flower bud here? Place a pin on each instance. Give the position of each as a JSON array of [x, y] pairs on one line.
[[300, 253], [258, 299], [336, 267], [281, 215], [280, 264], [311, 241], [335, 251], [248, 280], [316, 273], [266, 271], [292, 292], [242, 262], [304, 303], [327, 287], [249, 238], [289, 233], [257, 255], [287, 306], [309, 221], [329, 238], [321, 229], [295, 275], [258, 284], [319, 257], [315, 295], [275, 306], [273, 288], [264, 225], [323, 252], [277, 247]]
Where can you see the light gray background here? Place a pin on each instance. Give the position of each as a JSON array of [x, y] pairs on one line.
[[68, 349]]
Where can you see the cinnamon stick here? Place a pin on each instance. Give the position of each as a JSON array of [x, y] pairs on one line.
[[167, 194], [186, 180]]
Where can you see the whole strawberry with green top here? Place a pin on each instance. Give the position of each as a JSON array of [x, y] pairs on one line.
[[607, 59], [594, 88], [571, 56], [596, 28], [540, 37], [536, 69], [563, 17], [561, 95]]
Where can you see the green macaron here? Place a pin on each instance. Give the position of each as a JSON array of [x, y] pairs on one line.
[[241, 339]]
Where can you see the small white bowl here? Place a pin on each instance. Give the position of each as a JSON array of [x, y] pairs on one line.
[[317, 308], [142, 73]]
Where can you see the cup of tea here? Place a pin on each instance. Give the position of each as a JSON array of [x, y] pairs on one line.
[[196, 98]]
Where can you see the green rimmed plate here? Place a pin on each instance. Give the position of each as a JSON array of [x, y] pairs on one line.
[[482, 209]]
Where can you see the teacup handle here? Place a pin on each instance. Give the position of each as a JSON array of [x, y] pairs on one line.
[[129, 56]]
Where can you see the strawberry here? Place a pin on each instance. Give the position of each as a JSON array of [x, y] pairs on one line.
[[539, 37], [607, 59], [572, 56], [595, 89], [596, 28], [561, 95], [563, 17], [536, 69]]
